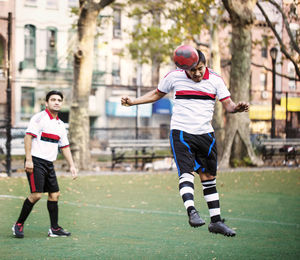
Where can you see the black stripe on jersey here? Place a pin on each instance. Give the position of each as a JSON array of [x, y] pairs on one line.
[[50, 140], [193, 97], [213, 204], [186, 184]]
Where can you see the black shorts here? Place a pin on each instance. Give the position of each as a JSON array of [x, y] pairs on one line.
[[194, 153], [43, 178]]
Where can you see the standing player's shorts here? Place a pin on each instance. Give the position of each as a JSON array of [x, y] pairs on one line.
[[194, 153], [43, 178]]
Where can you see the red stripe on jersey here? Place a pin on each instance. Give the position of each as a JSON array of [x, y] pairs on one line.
[[31, 134], [51, 136], [62, 147], [193, 92], [32, 183], [160, 91], [224, 98]]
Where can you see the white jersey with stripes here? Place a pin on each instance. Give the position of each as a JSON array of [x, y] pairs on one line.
[[49, 133], [193, 101]]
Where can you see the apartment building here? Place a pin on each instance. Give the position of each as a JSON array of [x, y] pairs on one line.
[[43, 46]]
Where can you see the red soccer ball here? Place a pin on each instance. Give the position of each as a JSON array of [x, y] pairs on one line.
[[186, 57]]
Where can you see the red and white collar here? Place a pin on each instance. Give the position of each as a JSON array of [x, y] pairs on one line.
[[205, 76], [49, 114]]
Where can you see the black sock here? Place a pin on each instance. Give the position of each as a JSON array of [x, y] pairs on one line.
[[26, 209], [53, 213]]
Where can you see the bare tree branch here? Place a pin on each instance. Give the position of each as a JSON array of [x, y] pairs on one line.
[[287, 27], [279, 74], [282, 46]]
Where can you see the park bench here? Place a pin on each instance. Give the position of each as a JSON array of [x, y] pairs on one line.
[[277, 148], [142, 150]]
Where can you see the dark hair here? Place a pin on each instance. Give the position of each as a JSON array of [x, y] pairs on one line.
[[54, 92], [201, 57]]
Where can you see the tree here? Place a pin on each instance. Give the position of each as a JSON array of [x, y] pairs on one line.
[[150, 43], [83, 69], [287, 46], [237, 132]]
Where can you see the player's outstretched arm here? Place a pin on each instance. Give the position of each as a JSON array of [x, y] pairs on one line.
[[231, 107], [68, 156], [149, 97]]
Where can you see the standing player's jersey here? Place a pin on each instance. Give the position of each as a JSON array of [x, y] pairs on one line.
[[49, 133], [193, 101]]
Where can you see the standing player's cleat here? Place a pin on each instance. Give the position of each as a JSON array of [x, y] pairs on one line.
[[221, 228], [59, 232], [17, 230], [195, 220]]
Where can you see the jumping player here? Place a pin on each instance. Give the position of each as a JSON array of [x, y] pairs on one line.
[[192, 136], [44, 135]]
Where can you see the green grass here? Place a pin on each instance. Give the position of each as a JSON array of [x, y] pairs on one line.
[[141, 216]]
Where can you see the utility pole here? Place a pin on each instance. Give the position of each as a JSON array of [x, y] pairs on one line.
[[8, 94]]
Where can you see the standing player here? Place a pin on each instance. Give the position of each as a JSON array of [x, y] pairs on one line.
[[44, 135], [192, 138]]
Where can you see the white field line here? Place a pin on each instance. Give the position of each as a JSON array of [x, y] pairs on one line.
[[159, 212]]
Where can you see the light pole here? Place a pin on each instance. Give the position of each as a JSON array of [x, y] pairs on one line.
[[273, 53]]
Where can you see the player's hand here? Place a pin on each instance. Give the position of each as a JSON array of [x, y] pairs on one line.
[[242, 107], [74, 172], [126, 101], [29, 166]]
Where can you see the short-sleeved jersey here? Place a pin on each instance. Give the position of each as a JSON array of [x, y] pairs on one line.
[[193, 101], [49, 133]]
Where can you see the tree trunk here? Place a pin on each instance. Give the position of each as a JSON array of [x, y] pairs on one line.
[[83, 68], [218, 120], [237, 125]]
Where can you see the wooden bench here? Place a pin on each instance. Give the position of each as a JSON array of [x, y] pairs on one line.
[[276, 147], [143, 150]]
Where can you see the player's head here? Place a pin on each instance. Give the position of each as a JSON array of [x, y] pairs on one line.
[[197, 73], [54, 101], [54, 92], [201, 57]]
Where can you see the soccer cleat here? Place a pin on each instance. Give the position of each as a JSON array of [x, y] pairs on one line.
[[221, 228], [195, 220], [18, 230], [58, 232]]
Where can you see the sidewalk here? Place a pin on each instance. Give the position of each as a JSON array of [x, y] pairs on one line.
[[132, 172]]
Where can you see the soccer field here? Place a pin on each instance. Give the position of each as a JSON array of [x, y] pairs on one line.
[[141, 216]]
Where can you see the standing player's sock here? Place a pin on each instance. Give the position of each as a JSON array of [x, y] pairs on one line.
[[186, 190], [53, 213], [26, 209], [212, 198]]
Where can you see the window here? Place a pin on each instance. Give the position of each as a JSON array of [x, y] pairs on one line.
[[30, 2], [52, 4], [264, 47], [27, 102], [2, 57], [117, 23], [29, 45], [116, 70], [263, 81], [51, 49], [291, 73], [73, 3]]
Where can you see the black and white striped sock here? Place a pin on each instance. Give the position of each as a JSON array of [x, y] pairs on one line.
[[212, 198], [186, 190]]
